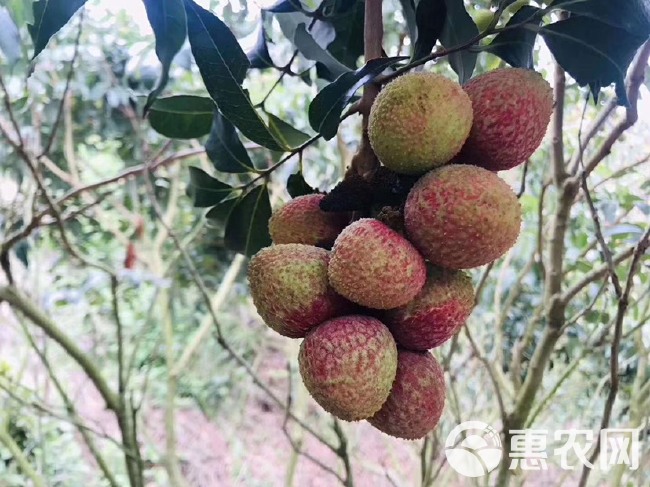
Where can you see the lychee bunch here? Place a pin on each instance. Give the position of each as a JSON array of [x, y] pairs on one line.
[[393, 285]]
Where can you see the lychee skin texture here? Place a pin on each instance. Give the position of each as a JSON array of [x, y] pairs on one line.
[[290, 289], [375, 266], [461, 216], [302, 221], [436, 314], [512, 109], [419, 121], [416, 400], [348, 365]]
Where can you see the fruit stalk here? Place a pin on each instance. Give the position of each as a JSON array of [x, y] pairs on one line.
[[365, 163]]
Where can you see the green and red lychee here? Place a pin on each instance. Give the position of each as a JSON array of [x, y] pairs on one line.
[[348, 365], [416, 400], [419, 121], [374, 266], [512, 109], [290, 288], [436, 313], [302, 221], [461, 216]]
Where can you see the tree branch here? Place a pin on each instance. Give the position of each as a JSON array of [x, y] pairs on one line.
[[17, 300], [623, 302], [559, 89]]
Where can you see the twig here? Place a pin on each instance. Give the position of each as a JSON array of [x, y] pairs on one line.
[[18, 455], [285, 70], [57, 120], [342, 452], [202, 333], [70, 409], [12, 118], [522, 186], [594, 275], [44, 322], [623, 302], [490, 370], [297, 448], [203, 290], [135, 171]]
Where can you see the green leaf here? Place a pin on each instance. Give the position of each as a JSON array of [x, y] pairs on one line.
[[347, 45], [22, 251], [430, 20], [247, 230], [632, 16], [297, 186], [408, 11], [205, 190], [218, 214], [49, 17], [9, 37], [593, 53], [259, 56], [311, 50], [286, 133], [182, 116], [516, 46], [326, 108], [459, 29], [223, 66], [225, 149], [167, 19]]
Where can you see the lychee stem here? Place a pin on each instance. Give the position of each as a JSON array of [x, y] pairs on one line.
[[365, 163]]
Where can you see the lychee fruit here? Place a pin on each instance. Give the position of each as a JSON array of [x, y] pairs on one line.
[[416, 400], [302, 221], [461, 216], [512, 109], [348, 365], [290, 289], [436, 314], [374, 266], [419, 121]]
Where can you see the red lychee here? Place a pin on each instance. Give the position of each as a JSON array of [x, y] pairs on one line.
[[348, 365], [416, 400], [461, 216], [290, 289], [374, 266], [512, 109], [302, 221], [436, 313]]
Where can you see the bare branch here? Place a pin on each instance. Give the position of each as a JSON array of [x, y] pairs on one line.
[[623, 302], [18, 455], [124, 176], [490, 370], [594, 275], [205, 294], [17, 300], [559, 89]]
